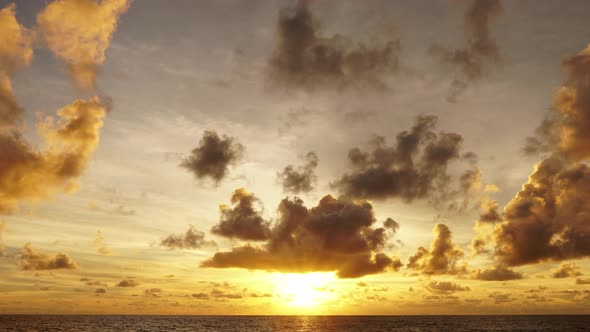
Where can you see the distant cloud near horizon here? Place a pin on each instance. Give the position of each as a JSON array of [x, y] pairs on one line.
[[30, 259]]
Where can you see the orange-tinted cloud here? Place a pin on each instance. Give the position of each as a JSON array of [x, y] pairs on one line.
[[28, 174], [445, 287], [212, 158], [79, 32], [336, 235], [497, 273], [304, 59], [481, 50], [547, 219], [443, 257], [566, 270], [15, 51], [101, 245], [128, 282], [2, 227], [300, 179], [29, 259]]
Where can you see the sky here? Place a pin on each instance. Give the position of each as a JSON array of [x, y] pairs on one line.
[[294, 157]]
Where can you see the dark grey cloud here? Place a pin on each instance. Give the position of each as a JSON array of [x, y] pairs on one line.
[[481, 51], [191, 239], [414, 168], [336, 235], [213, 157], [300, 179], [244, 220], [303, 58]]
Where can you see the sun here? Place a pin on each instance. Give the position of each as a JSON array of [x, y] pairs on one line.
[[304, 290]]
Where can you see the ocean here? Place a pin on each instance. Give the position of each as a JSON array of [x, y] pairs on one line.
[[293, 323]]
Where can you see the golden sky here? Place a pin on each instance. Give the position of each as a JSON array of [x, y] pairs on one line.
[[294, 157]]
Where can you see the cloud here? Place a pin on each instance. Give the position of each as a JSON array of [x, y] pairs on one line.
[[213, 156], [200, 296], [472, 62], [300, 179], [219, 294], [500, 298], [28, 174], [191, 239], [580, 281], [566, 270], [128, 282], [547, 219], [445, 287], [304, 59], [29, 259], [489, 211], [443, 256], [152, 292], [100, 291], [99, 242], [79, 32], [497, 273], [414, 168], [566, 130], [91, 282], [244, 220], [336, 235], [15, 51]]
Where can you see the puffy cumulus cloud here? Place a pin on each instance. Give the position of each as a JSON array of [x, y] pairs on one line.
[[244, 220], [445, 287], [212, 158], [481, 51], [15, 51], [28, 174], [443, 257], [497, 273], [415, 167], [300, 179], [128, 282], [548, 218], [30, 259], [79, 32], [566, 270], [336, 235], [566, 129], [191, 239], [101, 245], [304, 59], [488, 217]]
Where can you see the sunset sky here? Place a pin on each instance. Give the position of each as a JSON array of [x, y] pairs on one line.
[[294, 157]]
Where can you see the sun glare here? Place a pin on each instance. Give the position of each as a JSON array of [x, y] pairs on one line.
[[304, 290]]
